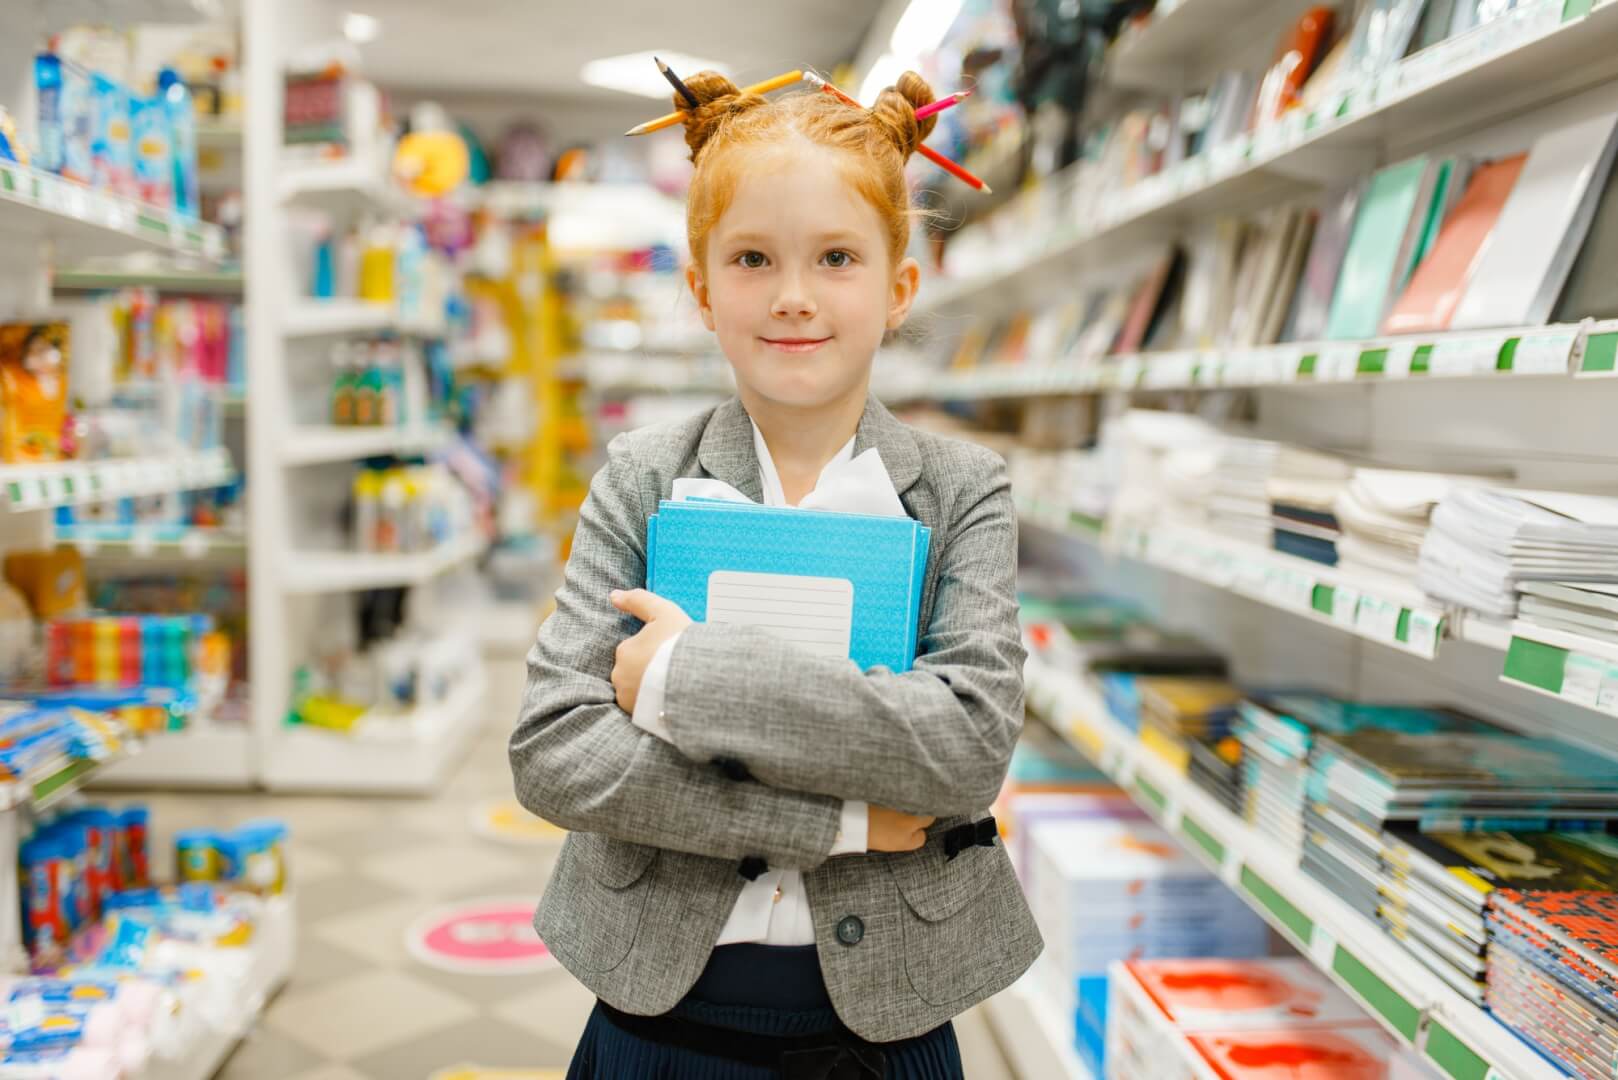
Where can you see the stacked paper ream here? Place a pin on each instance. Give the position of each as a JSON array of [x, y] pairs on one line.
[[1385, 514], [1027, 811], [1484, 542], [1115, 890], [1156, 1006]]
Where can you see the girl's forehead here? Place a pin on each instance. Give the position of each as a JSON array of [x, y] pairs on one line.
[[791, 186]]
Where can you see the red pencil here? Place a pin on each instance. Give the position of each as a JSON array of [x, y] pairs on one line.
[[942, 103], [926, 151]]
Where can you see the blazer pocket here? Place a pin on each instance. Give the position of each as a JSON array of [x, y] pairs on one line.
[[617, 864], [962, 924], [936, 887]]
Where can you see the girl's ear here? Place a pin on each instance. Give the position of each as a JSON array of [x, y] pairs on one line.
[[699, 292], [906, 280]]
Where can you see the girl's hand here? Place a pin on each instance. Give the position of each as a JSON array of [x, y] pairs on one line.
[[891, 830], [663, 619]]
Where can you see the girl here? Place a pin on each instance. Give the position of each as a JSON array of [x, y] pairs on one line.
[[773, 868]]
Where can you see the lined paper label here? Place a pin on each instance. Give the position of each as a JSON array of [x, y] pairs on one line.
[[814, 613]]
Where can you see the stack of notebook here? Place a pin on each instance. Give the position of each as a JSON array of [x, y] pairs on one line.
[[1178, 713], [1278, 733], [1436, 886], [1303, 490], [1553, 973], [1384, 515], [1484, 542], [1238, 498], [1362, 782]]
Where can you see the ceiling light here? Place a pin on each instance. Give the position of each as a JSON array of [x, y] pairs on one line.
[[883, 74], [636, 73], [922, 27], [361, 29]]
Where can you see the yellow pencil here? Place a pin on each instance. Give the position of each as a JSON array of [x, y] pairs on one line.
[[757, 88]]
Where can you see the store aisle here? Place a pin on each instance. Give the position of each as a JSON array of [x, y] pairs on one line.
[[366, 871]]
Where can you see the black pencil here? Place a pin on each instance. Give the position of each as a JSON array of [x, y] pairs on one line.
[[674, 81]]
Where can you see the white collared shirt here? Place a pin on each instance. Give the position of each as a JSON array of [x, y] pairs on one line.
[[773, 909]]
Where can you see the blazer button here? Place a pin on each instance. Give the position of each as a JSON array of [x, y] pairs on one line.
[[850, 930]]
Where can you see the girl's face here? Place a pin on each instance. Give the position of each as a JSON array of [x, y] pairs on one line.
[[798, 283]]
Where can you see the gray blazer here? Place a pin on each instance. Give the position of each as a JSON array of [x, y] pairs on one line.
[[649, 874]]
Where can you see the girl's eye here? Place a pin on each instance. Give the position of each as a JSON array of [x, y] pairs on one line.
[[752, 260], [837, 259]]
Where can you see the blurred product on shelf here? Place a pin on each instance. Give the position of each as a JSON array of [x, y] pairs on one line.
[[401, 510], [368, 383], [251, 856], [33, 391], [33, 738]]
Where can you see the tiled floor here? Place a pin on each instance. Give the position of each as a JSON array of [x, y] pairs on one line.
[[359, 1006]]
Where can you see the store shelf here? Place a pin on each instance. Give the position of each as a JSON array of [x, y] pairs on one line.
[[225, 135], [1411, 1002], [1574, 668], [55, 780], [165, 279], [138, 542], [344, 571], [1467, 82], [316, 445], [274, 948], [84, 222], [1176, 32], [1557, 351], [69, 483], [409, 755], [201, 758], [1032, 1035], [341, 186], [334, 318]]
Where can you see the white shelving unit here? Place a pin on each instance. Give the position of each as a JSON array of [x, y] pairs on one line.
[[209, 757], [1032, 1035], [301, 466], [1410, 1001]]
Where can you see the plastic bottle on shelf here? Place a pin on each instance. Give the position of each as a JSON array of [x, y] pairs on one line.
[[342, 387], [367, 509], [391, 521], [377, 264], [364, 384], [409, 273]]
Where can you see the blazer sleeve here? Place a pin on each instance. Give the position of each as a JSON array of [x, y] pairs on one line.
[[933, 740], [576, 758]]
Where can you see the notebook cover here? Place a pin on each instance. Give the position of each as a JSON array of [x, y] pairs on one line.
[[1374, 246], [1306, 321], [1541, 228], [1591, 291], [1434, 292], [1297, 1053], [883, 558], [1144, 304], [1199, 994]]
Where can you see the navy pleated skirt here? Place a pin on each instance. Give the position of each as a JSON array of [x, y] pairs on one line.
[[762, 989]]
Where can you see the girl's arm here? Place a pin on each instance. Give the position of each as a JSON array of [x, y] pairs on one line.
[[577, 759], [934, 740]]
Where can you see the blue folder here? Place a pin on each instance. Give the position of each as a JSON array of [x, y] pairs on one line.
[[882, 559]]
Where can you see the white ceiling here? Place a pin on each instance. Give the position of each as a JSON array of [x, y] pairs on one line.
[[535, 48]]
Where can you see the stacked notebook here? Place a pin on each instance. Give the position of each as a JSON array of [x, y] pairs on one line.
[[1553, 973], [833, 584], [1384, 515], [1157, 1006], [1486, 542], [1278, 733], [1303, 488], [1178, 713], [1436, 886]]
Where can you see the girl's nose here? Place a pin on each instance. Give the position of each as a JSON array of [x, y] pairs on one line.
[[793, 301]]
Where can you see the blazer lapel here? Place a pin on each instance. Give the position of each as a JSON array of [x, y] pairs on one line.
[[900, 457], [726, 450]]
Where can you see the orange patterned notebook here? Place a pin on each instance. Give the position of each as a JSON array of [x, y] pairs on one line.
[[1435, 289]]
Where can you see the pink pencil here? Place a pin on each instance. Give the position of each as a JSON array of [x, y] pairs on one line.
[[942, 103]]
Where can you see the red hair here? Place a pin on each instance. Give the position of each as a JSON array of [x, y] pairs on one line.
[[875, 145]]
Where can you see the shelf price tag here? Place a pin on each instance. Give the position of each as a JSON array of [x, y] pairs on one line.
[[1322, 947], [1397, 363], [1345, 606], [1378, 618], [1543, 354], [1337, 363], [1464, 356], [1581, 679], [1422, 632]]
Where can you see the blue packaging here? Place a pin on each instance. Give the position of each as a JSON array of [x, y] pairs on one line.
[[182, 120], [65, 117], [154, 158], [111, 154]]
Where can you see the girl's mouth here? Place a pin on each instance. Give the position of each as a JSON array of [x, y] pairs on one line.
[[795, 344]]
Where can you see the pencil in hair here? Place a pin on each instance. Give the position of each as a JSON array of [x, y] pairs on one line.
[[924, 150], [757, 88], [942, 103], [674, 81]]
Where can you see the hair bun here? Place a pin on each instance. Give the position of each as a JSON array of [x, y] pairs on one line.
[[895, 110], [718, 99]]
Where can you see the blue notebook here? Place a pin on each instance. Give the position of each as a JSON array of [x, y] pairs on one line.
[[835, 584]]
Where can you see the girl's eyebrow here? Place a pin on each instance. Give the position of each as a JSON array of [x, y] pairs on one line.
[[832, 236]]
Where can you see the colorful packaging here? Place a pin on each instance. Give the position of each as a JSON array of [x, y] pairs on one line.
[[134, 822], [101, 831], [45, 889], [111, 149], [182, 120], [197, 855], [65, 117], [33, 390], [261, 856], [154, 156]]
